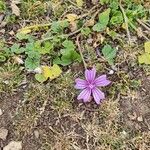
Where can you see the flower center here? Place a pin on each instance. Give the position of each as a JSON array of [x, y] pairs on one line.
[[91, 86]]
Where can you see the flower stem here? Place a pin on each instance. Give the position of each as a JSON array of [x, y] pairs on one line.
[[80, 50]]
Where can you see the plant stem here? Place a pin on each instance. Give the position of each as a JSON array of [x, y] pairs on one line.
[[80, 50], [126, 22]]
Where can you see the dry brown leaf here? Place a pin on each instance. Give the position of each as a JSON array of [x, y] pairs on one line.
[[15, 8], [90, 23], [71, 17], [73, 26]]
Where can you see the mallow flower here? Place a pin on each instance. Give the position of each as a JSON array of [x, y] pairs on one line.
[[90, 86]]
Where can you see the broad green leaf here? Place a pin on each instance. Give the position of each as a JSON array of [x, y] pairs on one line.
[[117, 18], [144, 58], [58, 26], [109, 53], [98, 27], [34, 55], [147, 47], [79, 3], [44, 48], [68, 44], [32, 63], [69, 55], [103, 21], [40, 78], [16, 49], [104, 17]]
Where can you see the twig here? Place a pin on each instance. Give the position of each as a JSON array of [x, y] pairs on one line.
[[80, 50], [143, 24], [138, 31], [126, 22]]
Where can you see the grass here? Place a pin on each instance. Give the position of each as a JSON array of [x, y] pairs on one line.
[[52, 109]]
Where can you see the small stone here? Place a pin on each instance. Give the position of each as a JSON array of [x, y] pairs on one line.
[[3, 133], [1, 112], [111, 72], [13, 145], [140, 118], [36, 133]]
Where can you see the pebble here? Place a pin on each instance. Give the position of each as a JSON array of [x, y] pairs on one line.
[[36, 133], [1, 112], [13, 145], [3, 133]]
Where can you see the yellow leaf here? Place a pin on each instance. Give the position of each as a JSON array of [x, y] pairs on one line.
[[144, 58], [79, 3], [124, 26], [24, 31], [46, 71], [147, 47], [71, 17], [51, 72], [55, 72]]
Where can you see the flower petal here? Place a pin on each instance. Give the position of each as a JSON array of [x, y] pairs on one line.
[[102, 81], [80, 83], [98, 95], [90, 74], [85, 95]]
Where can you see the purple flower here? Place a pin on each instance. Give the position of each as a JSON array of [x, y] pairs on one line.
[[90, 86]]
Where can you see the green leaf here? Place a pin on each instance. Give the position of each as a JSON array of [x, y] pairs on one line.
[[104, 17], [43, 48], [117, 18], [68, 44], [98, 27], [40, 78], [144, 58], [21, 36], [103, 21], [147, 47], [31, 63], [109, 53], [58, 26], [86, 31], [16, 49], [33, 60]]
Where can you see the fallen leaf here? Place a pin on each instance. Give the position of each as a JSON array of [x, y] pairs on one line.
[[46, 71], [15, 9], [144, 58], [52, 72], [24, 31], [147, 47], [13, 145], [79, 3], [90, 23], [71, 17]]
